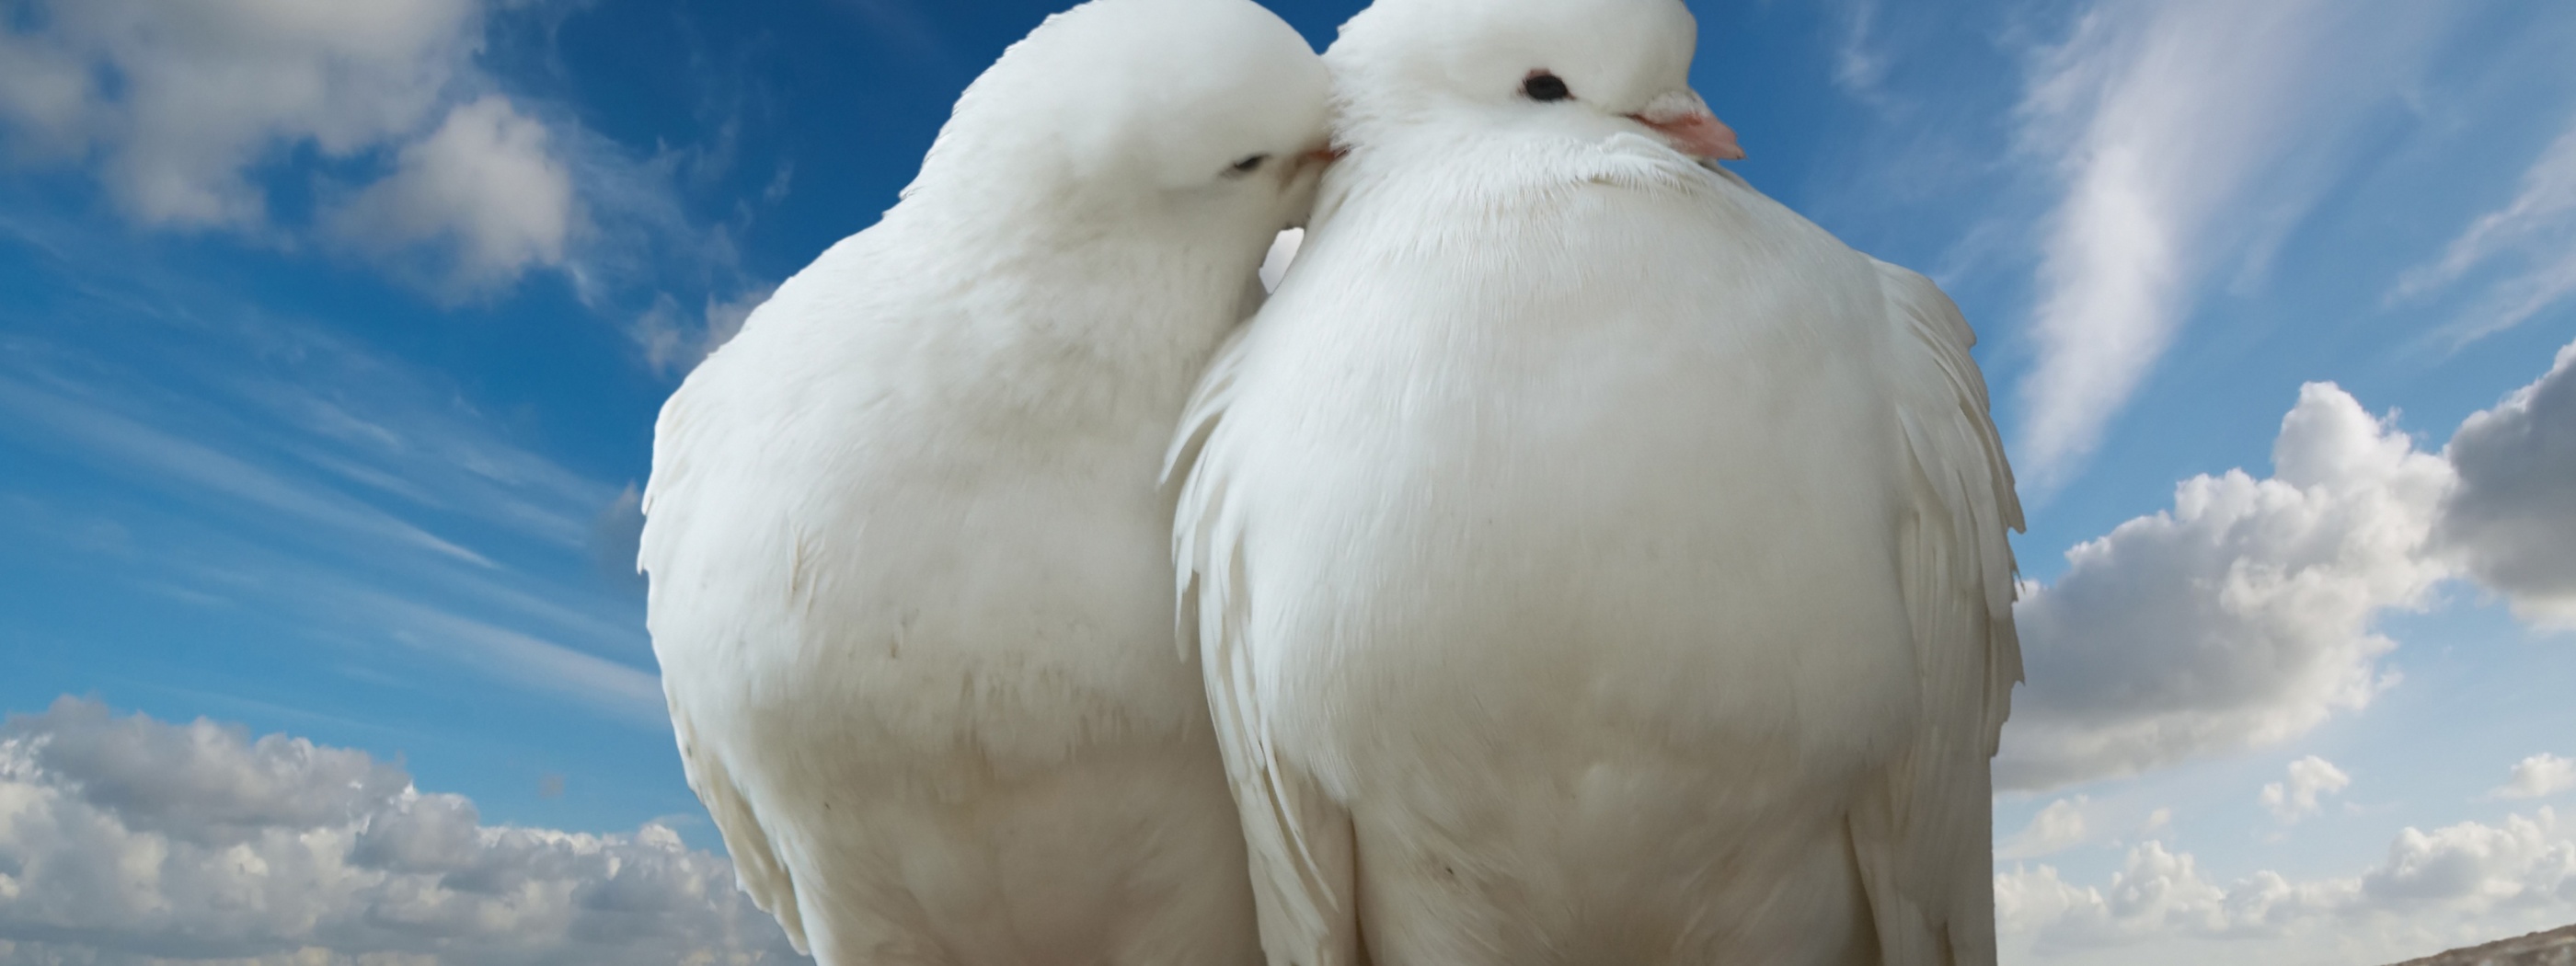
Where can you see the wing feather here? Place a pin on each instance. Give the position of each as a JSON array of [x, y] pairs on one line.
[[1298, 838], [673, 503], [757, 868], [1924, 841]]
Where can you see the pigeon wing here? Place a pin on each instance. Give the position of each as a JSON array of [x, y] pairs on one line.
[[756, 867], [676, 501], [1924, 838], [1299, 839]]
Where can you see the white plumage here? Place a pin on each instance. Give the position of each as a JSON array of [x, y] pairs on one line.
[[910, 561], [1594, 561]]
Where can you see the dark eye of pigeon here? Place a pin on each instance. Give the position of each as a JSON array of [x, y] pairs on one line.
[[1544, 86], [1247, 165]]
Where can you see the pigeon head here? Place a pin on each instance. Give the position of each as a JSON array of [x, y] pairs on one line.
[[1208, 111], [1585, 69]]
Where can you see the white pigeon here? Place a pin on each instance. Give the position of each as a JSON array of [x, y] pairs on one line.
[[1595, 562], [910, 559]]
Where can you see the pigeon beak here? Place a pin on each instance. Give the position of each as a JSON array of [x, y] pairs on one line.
[[1315, 160], [1685, 121]]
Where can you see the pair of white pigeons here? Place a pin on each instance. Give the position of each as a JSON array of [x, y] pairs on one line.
[[1582, 559]]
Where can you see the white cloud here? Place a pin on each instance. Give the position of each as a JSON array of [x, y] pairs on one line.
[[669, 342], [617, 538], [2243, 616], [2240, 617], [205, 91], [674, 343], [2526, 861], [2157, 822], [2156, 892], [2539, 776], [44, 93], [2310, 778], [2056, 828], [2537, 230], [1859, 69], [484, 181], [115, 437], [2028, 900], [185, 110], [523, 659], [2167, 120], [127, 840], [2513, 519], [2432, 887], [349, 497], [726, 316]]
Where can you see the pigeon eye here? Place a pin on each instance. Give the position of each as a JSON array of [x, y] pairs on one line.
[[1544, 86], [1246, 166]]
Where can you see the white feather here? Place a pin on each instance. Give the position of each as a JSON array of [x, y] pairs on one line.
[[910, 583], [1593, 560]]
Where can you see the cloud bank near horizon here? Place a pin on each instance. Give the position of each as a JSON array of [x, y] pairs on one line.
[[131, 840]]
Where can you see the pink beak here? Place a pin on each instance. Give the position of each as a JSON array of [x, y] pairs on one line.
[[1316, 159], [1685, 121]]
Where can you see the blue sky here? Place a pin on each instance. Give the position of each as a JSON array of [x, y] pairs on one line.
[[332, 339]]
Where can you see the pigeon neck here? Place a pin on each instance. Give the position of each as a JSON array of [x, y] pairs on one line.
[[1116, 291]]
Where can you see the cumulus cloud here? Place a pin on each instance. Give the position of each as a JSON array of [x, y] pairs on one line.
[[2539, 776], [2502, 877], [2535, 232], [203, 91], [2157, 821], [129, 840], [2145, 898], [2056, 828], [485, 183], [2310, 778], [2241, 616], [2166, 120], [184, 112], [2244, 615], [2526, 861], [2513, 518], [185, 109]]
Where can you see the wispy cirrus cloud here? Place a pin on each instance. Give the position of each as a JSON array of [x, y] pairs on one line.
[[2167, 124], [674, 340], [2535, 233], [240, 461], [621, 690], [1860, 67], [101, 433]]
